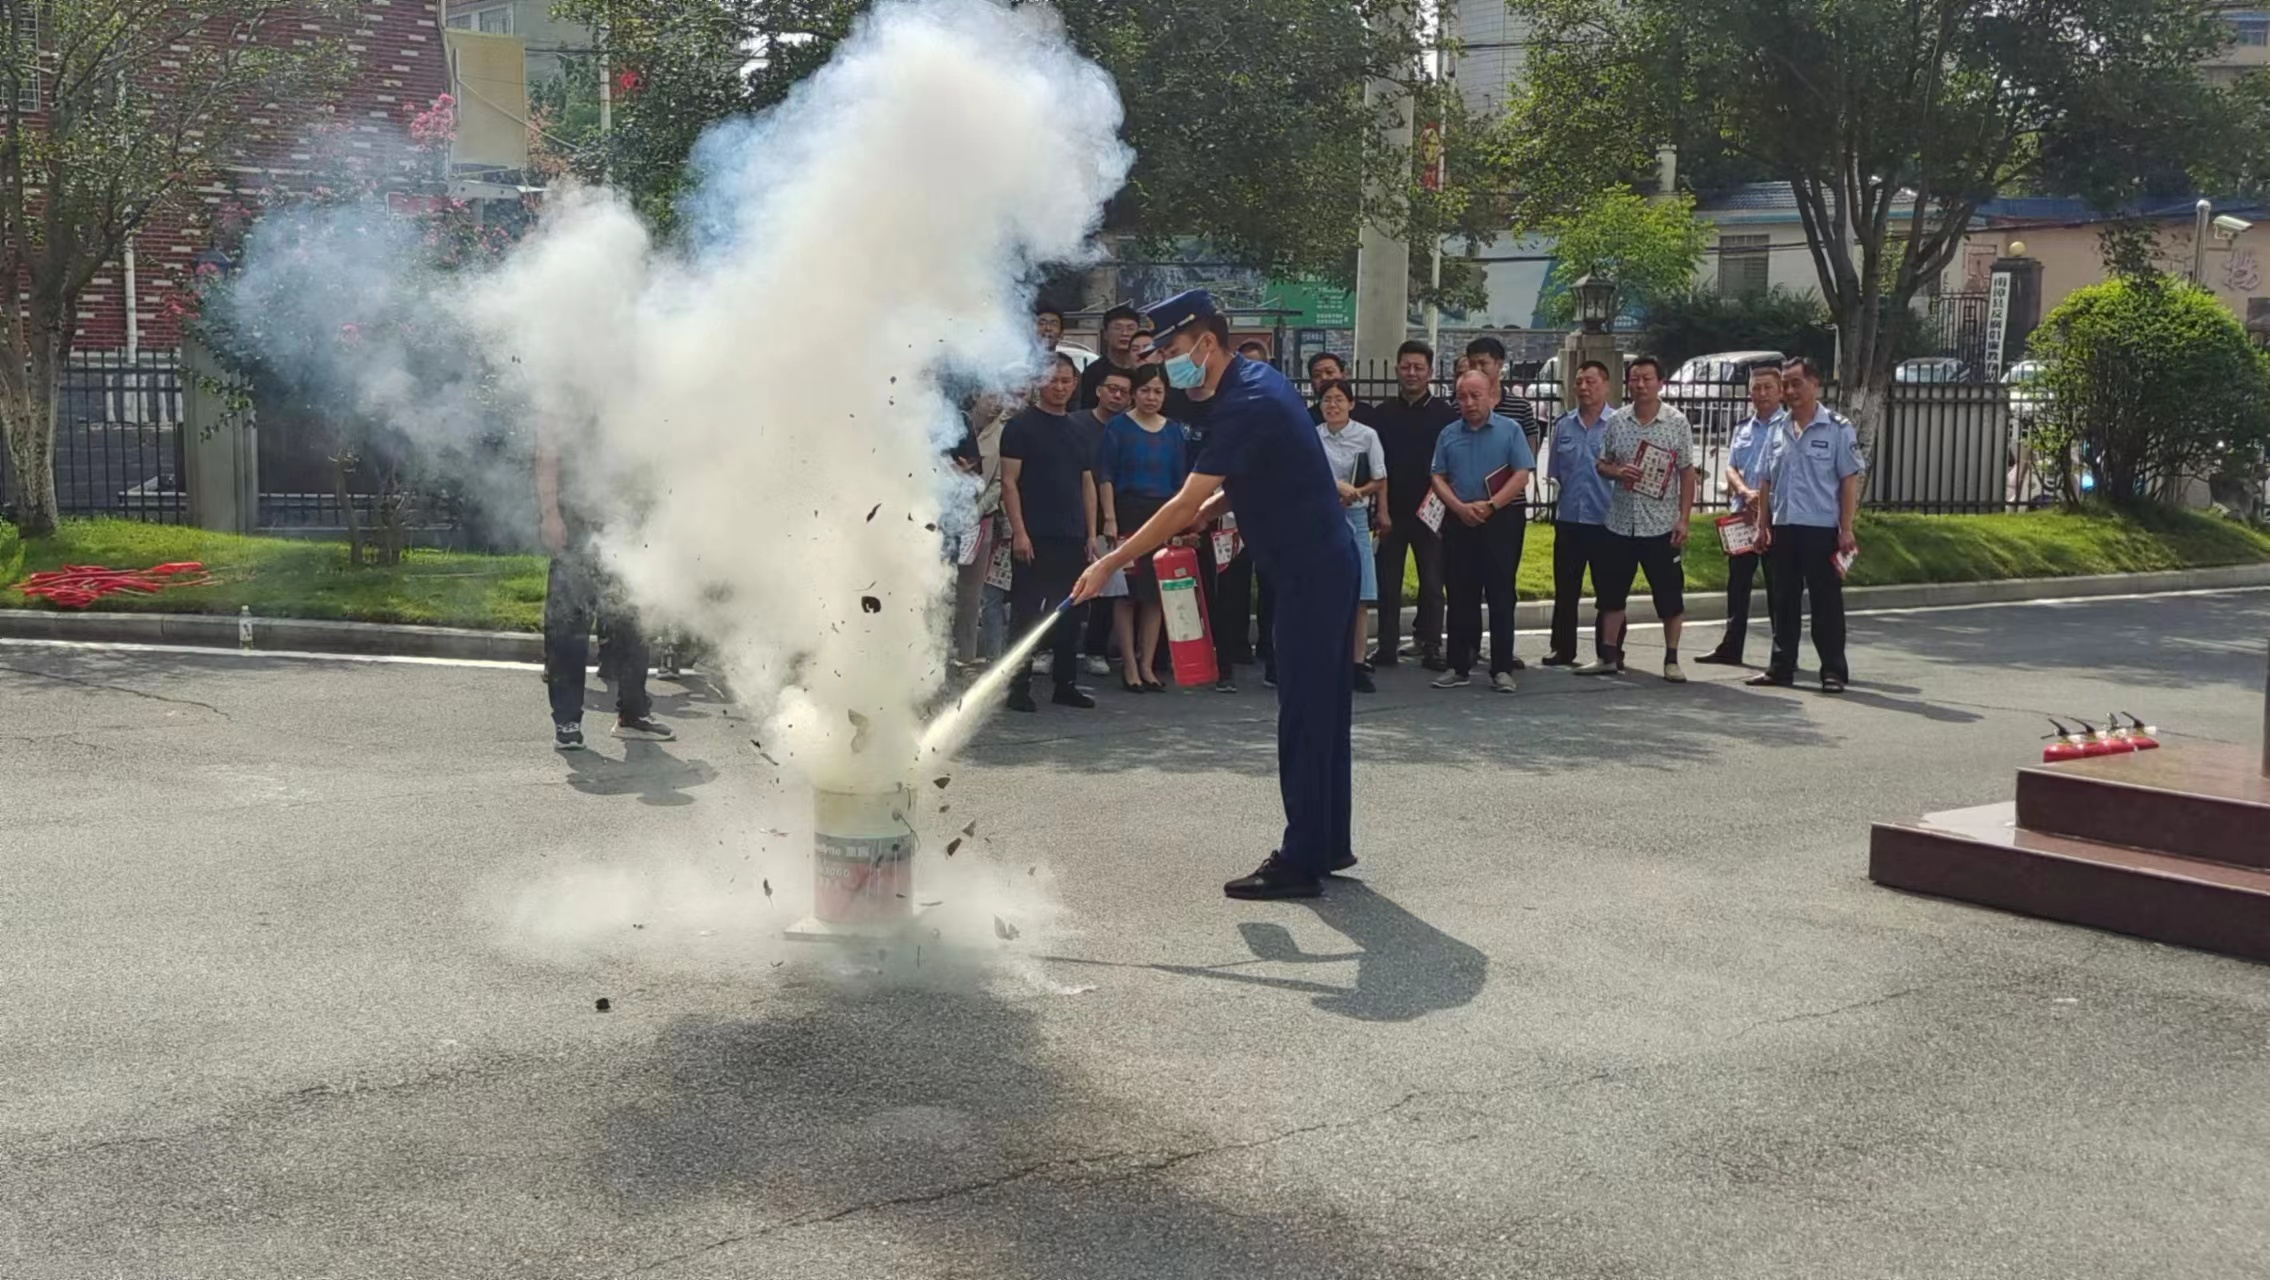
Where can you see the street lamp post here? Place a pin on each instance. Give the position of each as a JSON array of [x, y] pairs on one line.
[[2203, 210]]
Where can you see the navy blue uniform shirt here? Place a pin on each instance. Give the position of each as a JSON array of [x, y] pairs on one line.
[[1260, 441]]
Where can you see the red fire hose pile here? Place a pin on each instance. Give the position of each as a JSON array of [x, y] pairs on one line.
[[76, 586]]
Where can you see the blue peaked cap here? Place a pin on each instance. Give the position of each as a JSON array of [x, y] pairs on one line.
[[1179, 312]]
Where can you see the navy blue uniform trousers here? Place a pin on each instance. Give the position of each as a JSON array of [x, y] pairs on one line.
[[1315, 615]]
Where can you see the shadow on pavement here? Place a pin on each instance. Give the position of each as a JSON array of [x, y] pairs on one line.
[[934, 1120], [1405, 967], [1556, 723], [646, 770], [2220, 642]]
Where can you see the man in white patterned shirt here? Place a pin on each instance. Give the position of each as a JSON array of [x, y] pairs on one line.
[[1644, 531]]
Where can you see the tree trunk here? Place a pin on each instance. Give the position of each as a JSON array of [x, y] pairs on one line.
[[30, 428], [1865, 381], [341, 468]]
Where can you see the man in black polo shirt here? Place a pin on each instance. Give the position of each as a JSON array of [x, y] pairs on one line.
[[1048, 486], [1408, 425], [1119, 326]]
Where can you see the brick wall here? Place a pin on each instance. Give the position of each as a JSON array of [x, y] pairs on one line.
[[399, 71]]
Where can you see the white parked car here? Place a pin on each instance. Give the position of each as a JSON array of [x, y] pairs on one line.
[[1933, 369], [1714, 390], [2026, 396], [1544, 392]]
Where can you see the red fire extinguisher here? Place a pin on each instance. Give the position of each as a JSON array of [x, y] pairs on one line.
[[2138, 733], [2063, 745], [1182, 603], [2100, 742]]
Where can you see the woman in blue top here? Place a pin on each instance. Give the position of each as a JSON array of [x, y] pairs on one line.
[[1144, 459]]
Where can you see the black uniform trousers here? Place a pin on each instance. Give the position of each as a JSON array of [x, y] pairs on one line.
[[1576, 548], [1802, 562], [1040, 586], [1410, 536], [577, 594], [1742, 575], [1482, 564], [1315, 610]]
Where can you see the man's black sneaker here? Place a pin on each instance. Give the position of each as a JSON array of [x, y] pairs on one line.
[[567, 737], [1719, 658], [1269, 675], [1381, 658], [1557, 660], [1070, 695], [1340, 863], [642, 729], [1435, 662], [1518, 665], [1273, 880], [1364, 682], [1022, 700], [1225, 685]]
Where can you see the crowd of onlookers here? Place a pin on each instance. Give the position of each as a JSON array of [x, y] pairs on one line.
[[1445, 482]]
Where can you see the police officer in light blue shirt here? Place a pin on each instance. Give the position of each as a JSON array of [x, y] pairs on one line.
[[1811, 496], [1746, 456], [1580, 509]]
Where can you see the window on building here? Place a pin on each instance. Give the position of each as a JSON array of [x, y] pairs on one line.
[[1743, 265], [496, 20], [2251, 31], [22, 17]]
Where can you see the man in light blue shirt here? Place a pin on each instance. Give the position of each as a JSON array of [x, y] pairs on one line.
[[1481, 470], [1580, 514], [1746, 457], [1811, 496]]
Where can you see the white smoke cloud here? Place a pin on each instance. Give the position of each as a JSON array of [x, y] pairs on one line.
[[759, 419]]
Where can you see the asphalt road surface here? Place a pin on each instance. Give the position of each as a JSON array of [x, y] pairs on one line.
[[1612, 998]]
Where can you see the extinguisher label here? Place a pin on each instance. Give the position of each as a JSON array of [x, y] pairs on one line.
[[1178, 603]]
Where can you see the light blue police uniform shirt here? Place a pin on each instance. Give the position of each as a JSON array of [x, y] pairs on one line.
[[1584, 492], [1751, 447], [1468, 456], [1808, 466]]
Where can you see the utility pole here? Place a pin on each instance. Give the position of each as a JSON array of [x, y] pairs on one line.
[[1383, 258]]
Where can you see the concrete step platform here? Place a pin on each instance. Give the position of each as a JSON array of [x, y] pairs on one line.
[[2198, 800], [1983, 855]]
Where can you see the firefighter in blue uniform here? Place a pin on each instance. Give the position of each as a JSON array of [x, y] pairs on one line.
[[1263, 460]]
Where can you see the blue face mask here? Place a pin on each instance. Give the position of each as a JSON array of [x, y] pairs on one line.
[[1184, 372]]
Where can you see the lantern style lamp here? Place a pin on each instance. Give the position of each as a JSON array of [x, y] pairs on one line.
[[1595, 303]]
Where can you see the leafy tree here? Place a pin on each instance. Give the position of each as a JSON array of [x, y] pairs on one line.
[[1650, 248], [1249, 121], [1890, 119], [1698, 320], [110, 111], [2149, 382]]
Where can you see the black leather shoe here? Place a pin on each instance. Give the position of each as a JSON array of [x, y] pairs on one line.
[[1342, 863], [1364, 683], [1022, 700], [1770, 680], [1070, 695], [1274, 880], [1435, 662], [1717, 658], [1519, 665], [1556, 660]]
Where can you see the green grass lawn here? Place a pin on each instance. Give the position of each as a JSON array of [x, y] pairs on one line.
[[286, 577], [1899, 549]]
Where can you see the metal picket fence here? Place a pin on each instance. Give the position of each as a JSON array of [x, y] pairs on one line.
[[118, 445]]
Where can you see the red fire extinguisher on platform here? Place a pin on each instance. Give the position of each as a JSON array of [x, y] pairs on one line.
[[1182, 604], [2063, 745]]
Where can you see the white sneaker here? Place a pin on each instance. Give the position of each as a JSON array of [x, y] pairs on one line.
[[1599, 667], [1099, 666], [1673, 672], [1502, 682]]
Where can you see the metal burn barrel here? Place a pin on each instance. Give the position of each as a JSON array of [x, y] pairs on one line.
[[863, 856]]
